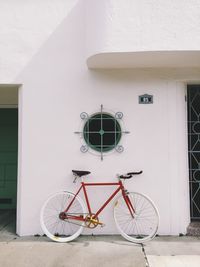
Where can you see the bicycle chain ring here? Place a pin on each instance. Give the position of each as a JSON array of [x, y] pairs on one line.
[[90, 221]]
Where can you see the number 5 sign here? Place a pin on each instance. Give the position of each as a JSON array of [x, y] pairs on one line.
[[145, 99]]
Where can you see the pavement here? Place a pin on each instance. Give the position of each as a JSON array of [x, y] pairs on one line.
[[173, 252], [98, 251]]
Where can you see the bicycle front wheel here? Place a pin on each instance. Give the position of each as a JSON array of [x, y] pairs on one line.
[[55, 228], [142, 225]]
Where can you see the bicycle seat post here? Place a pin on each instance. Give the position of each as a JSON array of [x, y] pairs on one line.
[[75, 177]]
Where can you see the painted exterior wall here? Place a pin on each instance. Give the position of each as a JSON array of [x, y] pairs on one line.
[[25, 26], [147, 33], [146, 25], [57, 86]]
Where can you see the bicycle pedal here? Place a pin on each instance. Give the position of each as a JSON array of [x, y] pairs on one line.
[[102, 225]]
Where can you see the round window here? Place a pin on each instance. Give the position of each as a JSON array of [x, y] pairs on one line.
[[102, 132]]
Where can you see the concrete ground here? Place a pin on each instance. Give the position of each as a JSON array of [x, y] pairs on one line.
[[94, 251], [84, 252], [102, 251], [173, 252]]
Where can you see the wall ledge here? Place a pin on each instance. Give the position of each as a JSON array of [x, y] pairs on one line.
[[144, 59]]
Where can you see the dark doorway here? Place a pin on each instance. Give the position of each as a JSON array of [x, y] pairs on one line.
[[193, 94], [8, 166]]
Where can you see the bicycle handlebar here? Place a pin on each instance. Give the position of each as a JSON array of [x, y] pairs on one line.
[[134, 173], [129, 175]]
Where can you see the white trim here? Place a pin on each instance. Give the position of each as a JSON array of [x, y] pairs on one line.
[[19, 195], [187, 158]]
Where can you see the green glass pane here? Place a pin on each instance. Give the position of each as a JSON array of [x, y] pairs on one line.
[[109, 125]]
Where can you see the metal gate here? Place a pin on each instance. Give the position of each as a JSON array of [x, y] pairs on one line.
[[193, 94]]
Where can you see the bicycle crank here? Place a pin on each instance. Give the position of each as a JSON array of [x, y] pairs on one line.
[[91, 221]]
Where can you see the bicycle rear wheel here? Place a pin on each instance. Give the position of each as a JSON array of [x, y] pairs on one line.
[[55, 228], [143, 225]]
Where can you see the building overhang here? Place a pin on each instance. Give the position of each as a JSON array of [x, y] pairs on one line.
[[144, 59]]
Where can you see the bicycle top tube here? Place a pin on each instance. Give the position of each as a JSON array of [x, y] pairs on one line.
[[99, 184]]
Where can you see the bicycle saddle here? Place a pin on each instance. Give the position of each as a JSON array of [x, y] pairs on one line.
[[80, 173]]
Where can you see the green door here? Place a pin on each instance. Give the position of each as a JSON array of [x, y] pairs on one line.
[[8, 157]]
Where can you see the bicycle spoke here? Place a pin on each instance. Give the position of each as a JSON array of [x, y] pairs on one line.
[[54, 226], [143, 224]]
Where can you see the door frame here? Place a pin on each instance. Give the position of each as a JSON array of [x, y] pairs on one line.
[[19, 108], [19, 164]]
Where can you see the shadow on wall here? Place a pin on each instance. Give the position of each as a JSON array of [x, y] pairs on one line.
[[64, 49]]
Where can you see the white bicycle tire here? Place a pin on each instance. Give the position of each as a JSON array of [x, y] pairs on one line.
[[122, 232], [46, 230]]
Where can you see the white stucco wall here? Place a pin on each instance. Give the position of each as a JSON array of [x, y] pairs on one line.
[[132, 34], [142, 25], [57, 86], [25, 25]]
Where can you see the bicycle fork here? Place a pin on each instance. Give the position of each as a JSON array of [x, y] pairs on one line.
[[131, 209]]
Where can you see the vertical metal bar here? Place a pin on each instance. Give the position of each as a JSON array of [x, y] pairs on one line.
[[101, 134], [115, 131], [129, 204], [88, 131], [127, 200], [86, 198], [189, 149], [189, 152]]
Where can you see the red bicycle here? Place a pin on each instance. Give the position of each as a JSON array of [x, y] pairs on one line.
[[64, 214]]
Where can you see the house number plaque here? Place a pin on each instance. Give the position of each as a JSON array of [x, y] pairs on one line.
[[146, 99]]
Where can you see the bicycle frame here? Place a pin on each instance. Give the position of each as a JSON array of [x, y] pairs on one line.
[[84, 186]]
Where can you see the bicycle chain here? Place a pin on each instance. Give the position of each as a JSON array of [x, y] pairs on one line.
[[85, 225]]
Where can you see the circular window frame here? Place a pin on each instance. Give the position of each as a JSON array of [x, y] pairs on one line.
[[85, 148], [101, 136]]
